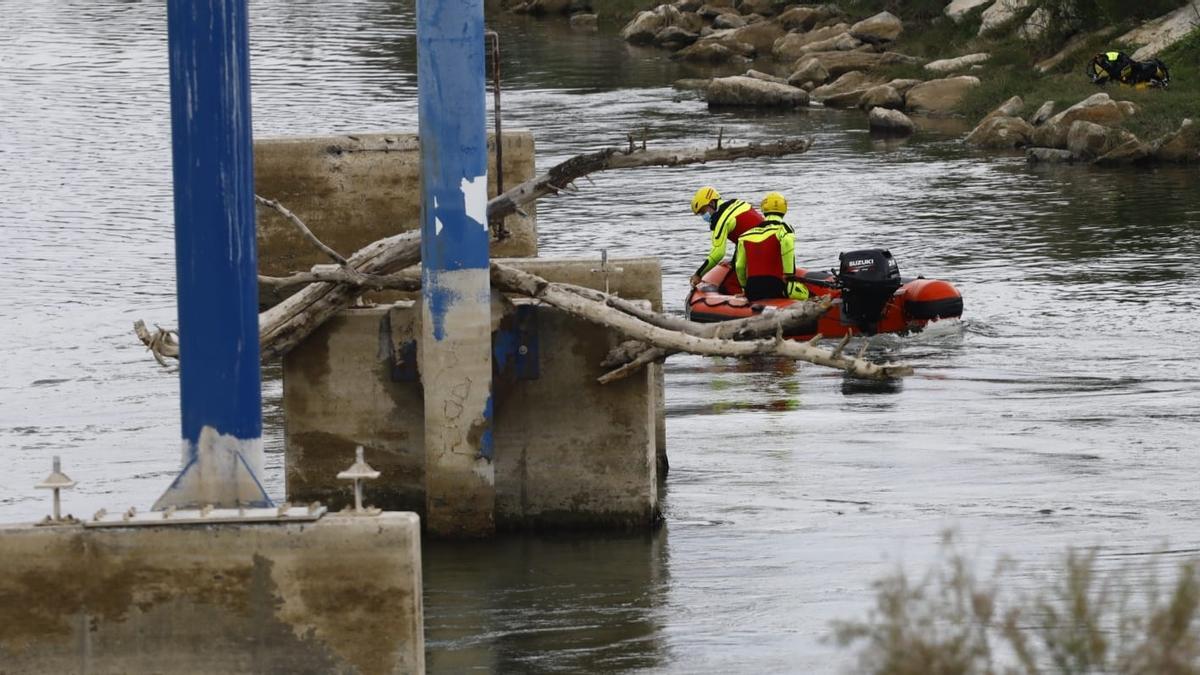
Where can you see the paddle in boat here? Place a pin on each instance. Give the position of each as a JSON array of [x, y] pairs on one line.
[[869, 296]]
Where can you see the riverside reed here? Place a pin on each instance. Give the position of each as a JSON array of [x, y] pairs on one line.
[[957, 622]]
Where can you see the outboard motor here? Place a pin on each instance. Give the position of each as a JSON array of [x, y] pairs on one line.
[[868, 279]]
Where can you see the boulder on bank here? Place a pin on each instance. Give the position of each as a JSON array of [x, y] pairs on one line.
[[675, 38], [713, 10], [790, 47], [642, 29], [761, 7], [804, 17], [838, 43], [957, 9], [810, 72], [959, 63], [1098, 109], [761, 35], [846, 91], [940, 97], [1044, 112], [1000, 13], [1183, 145], [1088, 140], [891, 122], [882, 96], [748, 91], [1001, 132], [882, 28], [1132, 151], [765, 77], [1049, 156], [709, 51], [840, 63], [1010, 108], [1155, 36], [728, 21]]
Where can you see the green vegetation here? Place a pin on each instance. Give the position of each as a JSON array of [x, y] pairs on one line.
[[955, 622]]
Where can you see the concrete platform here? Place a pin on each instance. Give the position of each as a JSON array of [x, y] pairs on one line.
[[339, 595], [356, 189], [569, 452]]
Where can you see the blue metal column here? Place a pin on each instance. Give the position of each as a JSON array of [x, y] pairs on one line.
[[216, 264], [456, 367]]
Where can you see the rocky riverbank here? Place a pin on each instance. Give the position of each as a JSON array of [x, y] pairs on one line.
[[1013, 68]]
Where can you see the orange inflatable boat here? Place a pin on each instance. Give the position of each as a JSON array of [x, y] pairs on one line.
[[869, 296]]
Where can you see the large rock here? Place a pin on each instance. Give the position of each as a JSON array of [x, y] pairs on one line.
[[1036, 25], [688, 5], [839, 43], [713, 10], [855, 81], [1097, 108], [762, 7], [791, 46], [1182, 145], [1131, 151], [729, 21], [957, 9], [1155, 36], [1049, 156], [766, 77], [1010, 108], [959, 63], [708, 51], [892, 122], [1001, 132], [674, 37], [762, 35], [585, 22], [1044, 113], [882, 96], [810, 71], [1000, 13], [839, 63], [903, 85], [805, 17], [940, 97], [1088, 140], [747, 91], [879, 29], [642, 29]]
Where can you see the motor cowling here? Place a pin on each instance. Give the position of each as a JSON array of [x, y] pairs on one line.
[[868, 279]]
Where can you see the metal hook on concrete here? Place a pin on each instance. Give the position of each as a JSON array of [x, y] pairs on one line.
[[57, 481], [606, 268], [358, 472]]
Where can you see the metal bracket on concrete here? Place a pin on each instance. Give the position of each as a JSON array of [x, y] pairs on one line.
[[404, 363], [515, 345], [605, 268], [285, 513], [358, 472], [57, 481]]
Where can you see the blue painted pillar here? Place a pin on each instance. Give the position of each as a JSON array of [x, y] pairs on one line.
[[456, 366], [216, 264]]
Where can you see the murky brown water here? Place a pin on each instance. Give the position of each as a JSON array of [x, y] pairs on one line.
[[1062, 411]]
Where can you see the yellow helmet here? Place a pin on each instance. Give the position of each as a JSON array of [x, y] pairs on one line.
[[703, 197], [774, 203]]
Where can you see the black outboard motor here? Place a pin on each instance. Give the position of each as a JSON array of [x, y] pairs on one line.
[[868, 279]]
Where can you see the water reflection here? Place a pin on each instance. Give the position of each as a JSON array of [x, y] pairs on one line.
[[515, 604]]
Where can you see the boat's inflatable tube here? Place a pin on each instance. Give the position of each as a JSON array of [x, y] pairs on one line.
[[913, 304]]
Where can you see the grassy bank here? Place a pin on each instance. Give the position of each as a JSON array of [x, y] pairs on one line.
[[1011, 70]]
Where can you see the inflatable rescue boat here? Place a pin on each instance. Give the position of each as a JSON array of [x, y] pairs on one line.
[[869, 296]]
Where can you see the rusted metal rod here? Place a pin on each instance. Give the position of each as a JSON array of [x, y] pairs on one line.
[[494, 38]]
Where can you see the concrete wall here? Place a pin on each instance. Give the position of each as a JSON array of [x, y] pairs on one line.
[[569, 451], [340, 595], [353, 190]]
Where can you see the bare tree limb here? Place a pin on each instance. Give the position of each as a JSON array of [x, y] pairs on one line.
[[506, 204], [523, 283], [406, 280]]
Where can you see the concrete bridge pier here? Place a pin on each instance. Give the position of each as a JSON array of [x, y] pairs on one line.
[[456, 360]]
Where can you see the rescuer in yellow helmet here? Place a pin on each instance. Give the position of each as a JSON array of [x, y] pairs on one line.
[[774, 207], [727, 220]]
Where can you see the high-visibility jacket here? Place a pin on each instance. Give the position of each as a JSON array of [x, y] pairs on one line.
[[796, 290], [760, 254], [732, 218]]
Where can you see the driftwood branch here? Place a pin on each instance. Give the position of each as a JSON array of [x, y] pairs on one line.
[[406, 280], [579, 166], [304, 231], [162, 343], [523, 283]]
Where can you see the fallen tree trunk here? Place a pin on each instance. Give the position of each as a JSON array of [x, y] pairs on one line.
[[563, 174], [523, 283]]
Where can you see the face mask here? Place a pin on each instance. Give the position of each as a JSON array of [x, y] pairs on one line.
[[706, 217]]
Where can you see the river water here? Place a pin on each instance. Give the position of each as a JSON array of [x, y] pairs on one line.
[[1061, 411]]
